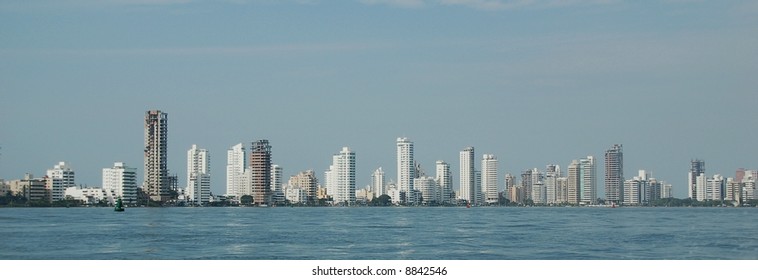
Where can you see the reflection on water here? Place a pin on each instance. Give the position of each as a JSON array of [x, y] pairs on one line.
[[379, 233]]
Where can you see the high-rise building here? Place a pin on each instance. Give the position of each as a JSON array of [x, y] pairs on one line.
[[277, 184], [58, 179], [561, 190], [701, 187], [632, 191], [235, 168], [198, 188], [697, 168], [377, 183], [573, 183], [467, 186], [733, 189], [715, 188], [539, 193], [749, 189], [276, 178], [526, 183], [308, 183], [260, 172], [667, 190], [445, 182], [121, 180], [156, 183], [427, 186], [405, 165], [614, 174], [489, 179], [478, 194], [588, 182], [343, 177], [511, 191], [552, 173]]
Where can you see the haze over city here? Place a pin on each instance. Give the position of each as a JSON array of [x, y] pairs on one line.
[[531, 82]]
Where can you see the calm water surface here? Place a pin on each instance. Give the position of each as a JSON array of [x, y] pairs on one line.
[[379, 233]]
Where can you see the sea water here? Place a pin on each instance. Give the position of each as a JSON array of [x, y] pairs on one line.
[[394, 233]]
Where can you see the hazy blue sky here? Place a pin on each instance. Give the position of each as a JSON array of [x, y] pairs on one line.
[[534, 82]]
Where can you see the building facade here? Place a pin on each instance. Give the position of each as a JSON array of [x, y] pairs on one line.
[[378, 186], [157, 182], [343, 177], [260, 172], [588, 180], [308, 183], [59, 179], [614, 174], [236, 161], [573, 183], [445, 182], [121, 181], [467, 185], [198, 189], [427, 186], [406, 165], [697, 168], [489, 179]]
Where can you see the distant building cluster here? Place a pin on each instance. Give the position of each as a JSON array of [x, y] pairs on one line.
[[253, 179]]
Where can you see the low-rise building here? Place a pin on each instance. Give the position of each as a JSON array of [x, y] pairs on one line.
[[31, 188], [89, 195]]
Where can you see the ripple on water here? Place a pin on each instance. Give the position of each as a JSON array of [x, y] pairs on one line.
[[378, 233]]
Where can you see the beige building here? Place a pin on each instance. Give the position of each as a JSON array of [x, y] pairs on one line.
[[31, 188]]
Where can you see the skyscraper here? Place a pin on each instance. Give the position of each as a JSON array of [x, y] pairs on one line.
[[526, 184], [58, 179], [588, 180], [156, 182], [377, 183], [121, 180], [697, 168], [198, 175], [445, 182], [235, 168], [552, 173], [467, 176], [573, 183], [489, 179], [276, 177], [614, 174], [405, 166], [277, 184], [260, 172], [511, 190], [343, 176]]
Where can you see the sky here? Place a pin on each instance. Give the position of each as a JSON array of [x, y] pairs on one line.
[[534, 82]]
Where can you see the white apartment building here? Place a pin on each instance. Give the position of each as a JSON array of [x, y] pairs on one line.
[[428, 188], [121, 181], [235, 169], [342, 177], [198, 176], [406, 165], [58, 179], [445, 182], [467, 178], [489, 179], [377, 183]]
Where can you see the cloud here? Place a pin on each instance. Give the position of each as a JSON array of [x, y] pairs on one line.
[[301, 48], [397, 3], [490, 5]]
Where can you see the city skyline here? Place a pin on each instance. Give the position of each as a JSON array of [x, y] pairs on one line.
[[262, 186], [534, 84]]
